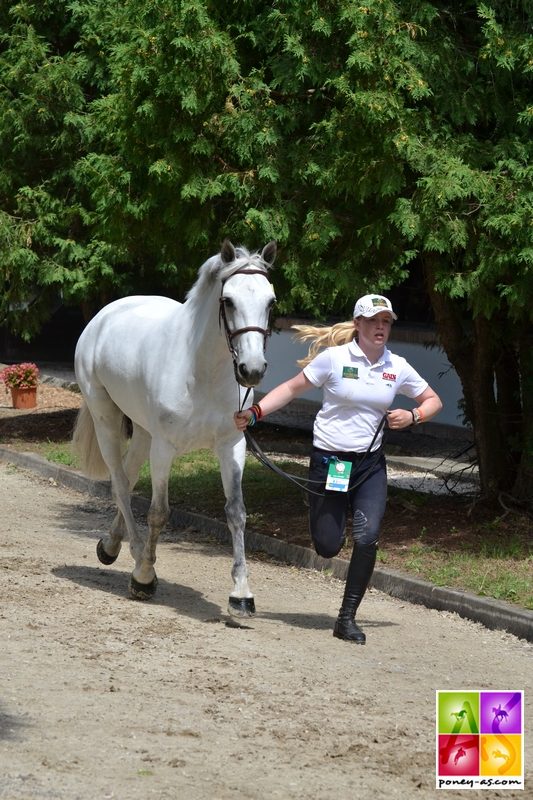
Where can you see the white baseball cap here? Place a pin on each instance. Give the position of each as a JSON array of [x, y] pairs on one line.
[[372, 304]]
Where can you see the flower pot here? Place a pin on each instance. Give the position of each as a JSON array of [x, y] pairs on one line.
[[24, 398]]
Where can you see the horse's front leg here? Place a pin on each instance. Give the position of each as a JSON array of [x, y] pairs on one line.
[[143, 581], [231, 457]]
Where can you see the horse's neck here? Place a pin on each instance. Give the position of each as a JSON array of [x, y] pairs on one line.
[[207, 336]]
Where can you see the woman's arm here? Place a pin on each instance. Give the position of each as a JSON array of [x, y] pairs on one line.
[[275, 399], [428, 405]]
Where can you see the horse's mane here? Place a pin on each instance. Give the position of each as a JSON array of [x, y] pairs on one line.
[[215, 269]]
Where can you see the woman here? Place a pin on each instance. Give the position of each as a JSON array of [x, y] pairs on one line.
[[359, 377]]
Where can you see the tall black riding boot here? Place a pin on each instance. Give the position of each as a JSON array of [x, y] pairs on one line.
[[359, 574]]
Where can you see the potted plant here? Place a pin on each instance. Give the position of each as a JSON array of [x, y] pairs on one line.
[[22, 380]]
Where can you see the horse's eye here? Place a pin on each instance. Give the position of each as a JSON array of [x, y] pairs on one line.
[[228, 302]]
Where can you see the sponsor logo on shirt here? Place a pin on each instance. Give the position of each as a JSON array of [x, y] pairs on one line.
[[389, 376], [350, 372]]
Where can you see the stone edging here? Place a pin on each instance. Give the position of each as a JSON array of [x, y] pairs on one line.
[[494, 614]]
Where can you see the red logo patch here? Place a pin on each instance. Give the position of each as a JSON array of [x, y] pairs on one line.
[[389, 376]]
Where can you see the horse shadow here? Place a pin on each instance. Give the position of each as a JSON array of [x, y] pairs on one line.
[[189, 602], [185, 600], [10, 726]]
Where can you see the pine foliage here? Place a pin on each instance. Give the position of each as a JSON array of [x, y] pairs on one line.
[[366, 138]]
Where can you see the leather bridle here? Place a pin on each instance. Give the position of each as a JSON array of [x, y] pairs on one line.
[[230, 335]]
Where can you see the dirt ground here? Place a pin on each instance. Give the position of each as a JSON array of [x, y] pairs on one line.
[[106, 698]]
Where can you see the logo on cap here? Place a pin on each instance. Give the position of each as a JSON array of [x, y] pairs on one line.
[[372, 304]]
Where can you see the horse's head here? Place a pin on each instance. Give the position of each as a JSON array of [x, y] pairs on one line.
[[246, 300]]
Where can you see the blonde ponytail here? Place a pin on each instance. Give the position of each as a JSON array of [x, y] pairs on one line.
[[341, 333]]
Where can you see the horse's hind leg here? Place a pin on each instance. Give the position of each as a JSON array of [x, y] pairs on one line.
[[231, 457], [109, 546], [143, 578], [108, 427]]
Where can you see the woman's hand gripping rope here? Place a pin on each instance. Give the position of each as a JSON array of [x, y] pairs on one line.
[[247, 417]]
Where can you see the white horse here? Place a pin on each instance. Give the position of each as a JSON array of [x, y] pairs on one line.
[[177, 371]]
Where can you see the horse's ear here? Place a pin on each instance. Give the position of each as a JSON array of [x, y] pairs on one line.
[[227, 252], [269, 252]]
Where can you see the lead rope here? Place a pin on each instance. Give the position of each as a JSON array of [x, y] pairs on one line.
[[263, 459], [303, 483]]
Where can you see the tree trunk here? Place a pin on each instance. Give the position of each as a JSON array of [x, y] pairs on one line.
[[523, 487], [507, 370], [495, 467], [472, 348]]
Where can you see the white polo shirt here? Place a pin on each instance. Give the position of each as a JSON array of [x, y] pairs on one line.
[[356, 395]]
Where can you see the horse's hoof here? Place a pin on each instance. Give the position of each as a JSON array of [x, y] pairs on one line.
[[241, 606], [142, 591], [104, 557]]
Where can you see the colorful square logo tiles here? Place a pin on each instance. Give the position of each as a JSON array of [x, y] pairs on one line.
[[480, 739]]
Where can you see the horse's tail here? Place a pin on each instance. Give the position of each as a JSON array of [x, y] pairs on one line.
[[86, 447]]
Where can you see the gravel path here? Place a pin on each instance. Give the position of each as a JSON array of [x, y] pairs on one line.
[[106, 698]]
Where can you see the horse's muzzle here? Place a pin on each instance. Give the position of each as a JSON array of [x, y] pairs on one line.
[[248, 377]]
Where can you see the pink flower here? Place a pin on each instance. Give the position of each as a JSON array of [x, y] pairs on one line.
[[20, 376]]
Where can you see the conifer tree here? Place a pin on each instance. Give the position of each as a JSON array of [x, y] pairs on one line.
[[373, 140]]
